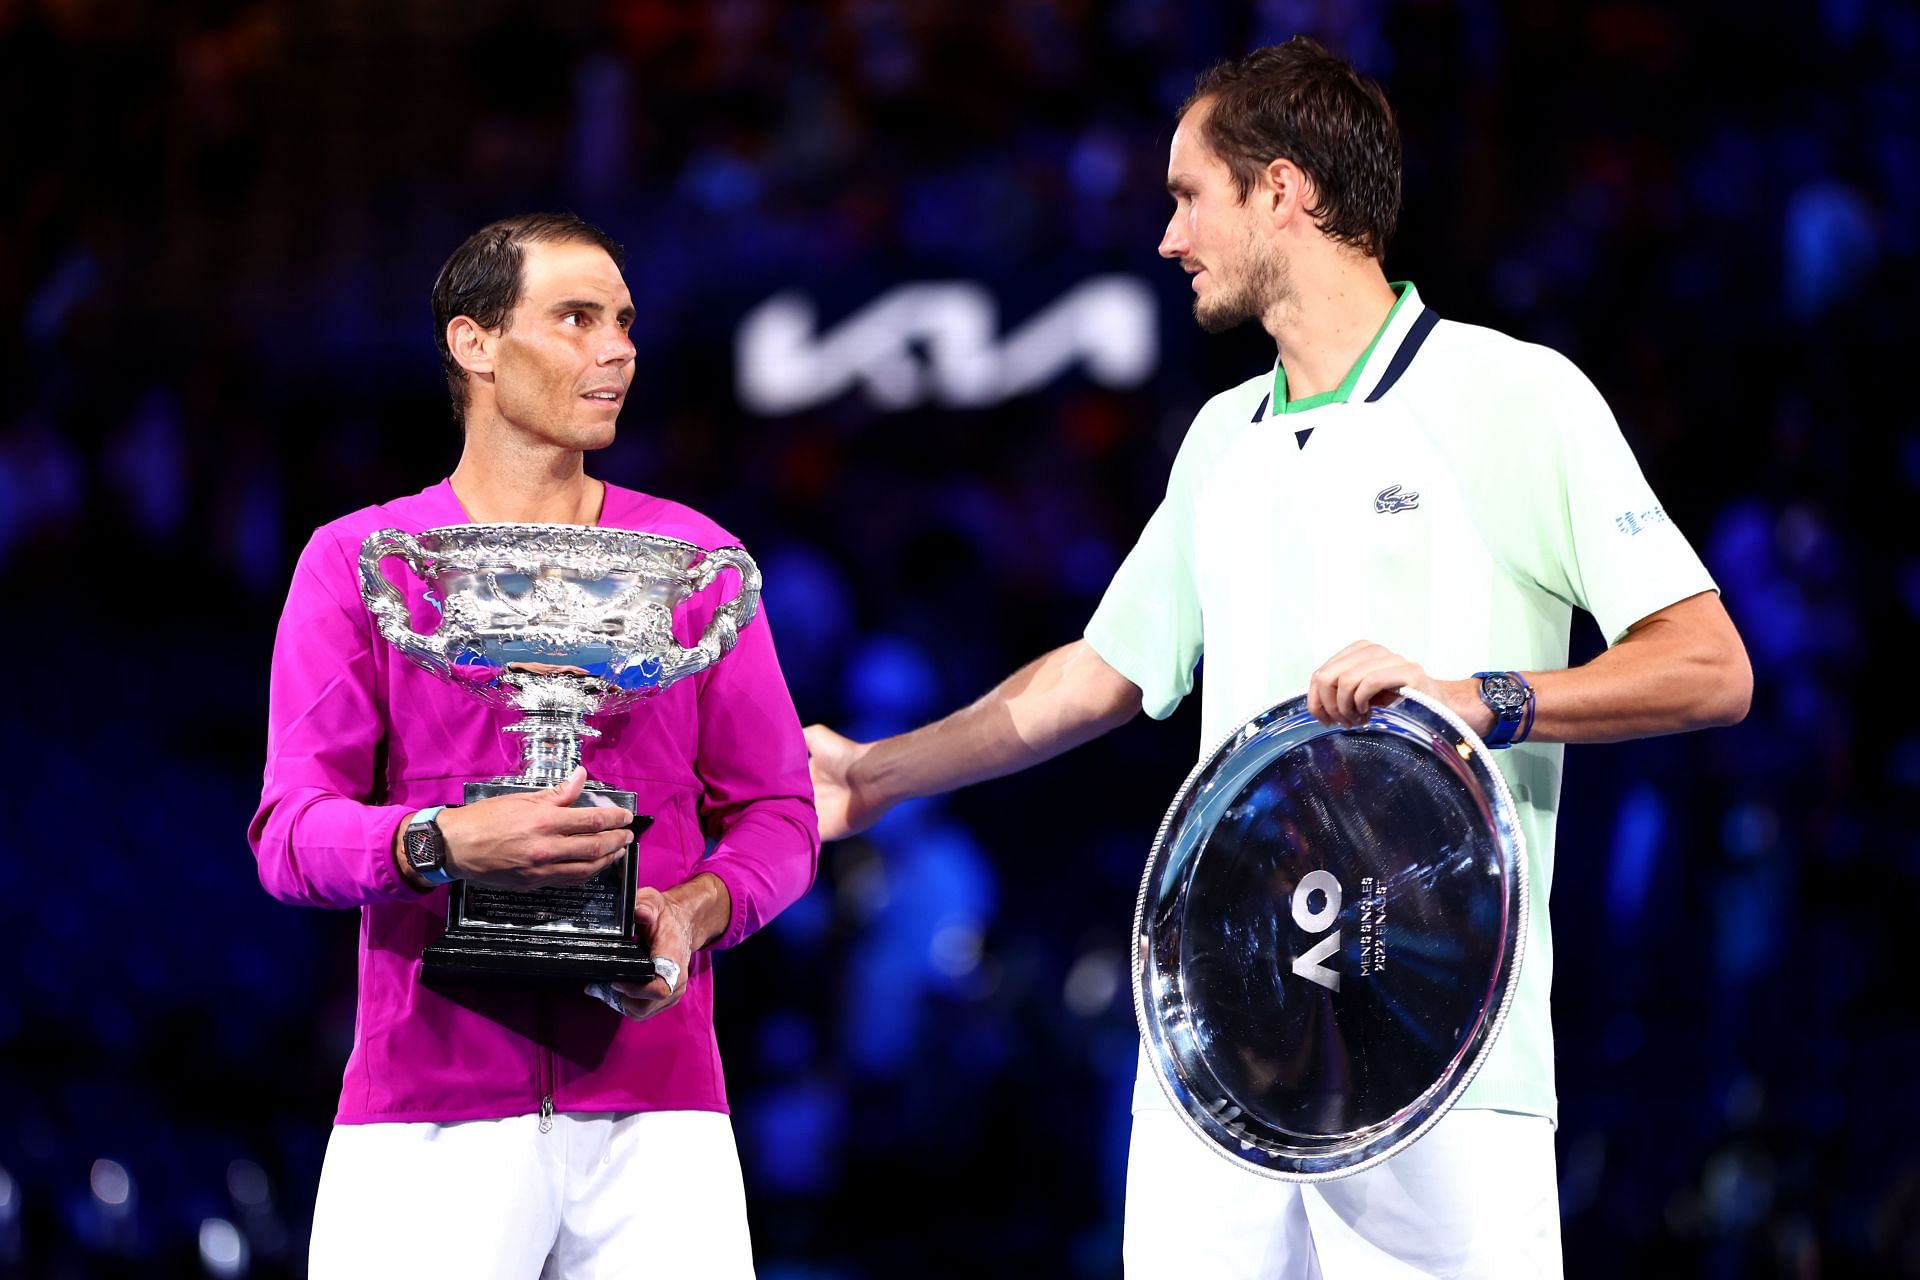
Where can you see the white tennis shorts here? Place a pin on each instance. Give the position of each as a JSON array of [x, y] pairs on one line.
[[1475, 1197], [599, 1195]]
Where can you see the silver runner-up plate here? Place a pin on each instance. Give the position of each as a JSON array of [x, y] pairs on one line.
[[1328, 933]]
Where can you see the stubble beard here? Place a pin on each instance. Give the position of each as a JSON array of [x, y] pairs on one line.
[[535, 426], [1267, 283]]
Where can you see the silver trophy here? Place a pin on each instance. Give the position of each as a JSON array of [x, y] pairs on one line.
[[560, 622], [1328, 933]]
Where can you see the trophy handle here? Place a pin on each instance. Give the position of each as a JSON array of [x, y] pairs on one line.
[[389, 607], [723, 629]]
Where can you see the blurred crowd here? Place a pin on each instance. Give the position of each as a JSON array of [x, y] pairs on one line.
[[218, 224]]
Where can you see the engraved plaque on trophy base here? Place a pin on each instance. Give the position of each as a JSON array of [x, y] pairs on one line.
[[560, 936]]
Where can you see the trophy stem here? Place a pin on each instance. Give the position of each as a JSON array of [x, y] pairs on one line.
[[550, 746]]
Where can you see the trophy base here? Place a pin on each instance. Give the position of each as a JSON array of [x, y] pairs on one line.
[[471, 957], [567, 935]]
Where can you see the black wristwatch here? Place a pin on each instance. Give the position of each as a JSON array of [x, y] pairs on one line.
[[1510, 698], [426, 846]]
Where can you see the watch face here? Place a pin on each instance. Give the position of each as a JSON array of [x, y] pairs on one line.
[[424, 846], [1504, 694]]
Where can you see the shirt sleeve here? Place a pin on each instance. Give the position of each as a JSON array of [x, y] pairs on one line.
[[1147, 626], [757, 803], [318, 838], [1585, 525]]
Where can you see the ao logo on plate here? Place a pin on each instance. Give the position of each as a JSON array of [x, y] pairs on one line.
[[1309, 966]]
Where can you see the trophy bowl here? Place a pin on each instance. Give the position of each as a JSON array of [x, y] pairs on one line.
[[1327, 935], [589, 609], [559, 622]]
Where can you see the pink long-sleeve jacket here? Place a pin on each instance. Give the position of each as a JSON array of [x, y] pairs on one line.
[[359, 738]]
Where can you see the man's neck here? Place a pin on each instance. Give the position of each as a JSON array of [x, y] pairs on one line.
[[1328, 321], [521, 485]]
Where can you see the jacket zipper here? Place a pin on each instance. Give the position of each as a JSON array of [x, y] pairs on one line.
[[545, 1071]]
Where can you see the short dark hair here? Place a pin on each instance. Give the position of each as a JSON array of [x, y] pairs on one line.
[[485, 278], [1297, 101]]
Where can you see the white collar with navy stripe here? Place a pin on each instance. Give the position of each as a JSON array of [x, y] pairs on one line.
[[1379, 366]]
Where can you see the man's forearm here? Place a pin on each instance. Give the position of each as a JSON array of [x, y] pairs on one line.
[[1051, 705], [1682, 667], [1679, 669]]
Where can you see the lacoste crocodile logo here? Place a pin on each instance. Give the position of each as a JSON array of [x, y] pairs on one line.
[[1390, 500]]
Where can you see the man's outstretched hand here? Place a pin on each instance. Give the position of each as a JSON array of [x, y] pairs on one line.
[[844, 811]]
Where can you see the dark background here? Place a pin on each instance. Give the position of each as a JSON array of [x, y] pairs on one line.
[[218, 227]]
